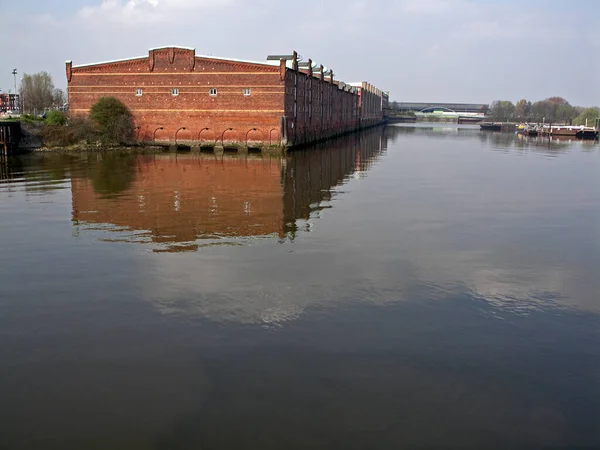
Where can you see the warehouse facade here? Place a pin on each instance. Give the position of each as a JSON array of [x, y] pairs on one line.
[[176, 96]]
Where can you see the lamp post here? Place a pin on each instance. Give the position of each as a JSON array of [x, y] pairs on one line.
[[178, 130], [154, 134], [14, 72], [223, 134], [22, 98], [15, 105]]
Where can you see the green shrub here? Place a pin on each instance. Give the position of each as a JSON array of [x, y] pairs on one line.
[[591, 114], [74, 132], [30, 119], [113, 120], [56, 118]]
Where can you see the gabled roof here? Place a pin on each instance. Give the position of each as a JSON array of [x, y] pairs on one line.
[[219, 58], [108, 62]]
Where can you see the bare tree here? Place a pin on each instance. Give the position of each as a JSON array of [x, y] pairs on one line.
[[38, 93], [58, 98]]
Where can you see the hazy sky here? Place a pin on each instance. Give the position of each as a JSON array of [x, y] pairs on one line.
[[420, 50]]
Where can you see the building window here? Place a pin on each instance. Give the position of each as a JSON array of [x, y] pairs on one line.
[[175, 92], [246, 91], [138, 92], [213, 91]]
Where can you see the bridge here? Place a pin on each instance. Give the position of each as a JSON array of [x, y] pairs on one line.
[[459, 108]]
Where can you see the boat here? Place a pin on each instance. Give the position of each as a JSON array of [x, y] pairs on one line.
[[490, 126], [580, 131], [527, 129], [588, 133]]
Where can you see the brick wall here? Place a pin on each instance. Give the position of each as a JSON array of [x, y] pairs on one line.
[[176, 96], [373, 104], [205, 117], [317, 108]]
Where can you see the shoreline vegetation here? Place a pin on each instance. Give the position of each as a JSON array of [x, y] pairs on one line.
[[550, 110], [109, 126]]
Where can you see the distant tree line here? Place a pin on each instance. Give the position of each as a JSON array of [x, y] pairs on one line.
[[552, 109]]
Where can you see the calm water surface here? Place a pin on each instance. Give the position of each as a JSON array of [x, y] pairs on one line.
[[417, 287]]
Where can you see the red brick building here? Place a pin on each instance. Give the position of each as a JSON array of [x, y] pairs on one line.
[[177, 96], [9, 103], [373, 104]]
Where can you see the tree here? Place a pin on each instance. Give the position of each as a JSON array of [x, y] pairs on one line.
[[38, 93], [553, 109], [113, 120], [591, 114], [502, 110], [58, 98], [522, 109]]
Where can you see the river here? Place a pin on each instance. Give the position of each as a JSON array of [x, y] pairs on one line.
[[418, 286]]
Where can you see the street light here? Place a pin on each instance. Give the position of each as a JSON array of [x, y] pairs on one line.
[[14, 72], [15, 105], [154, 134]]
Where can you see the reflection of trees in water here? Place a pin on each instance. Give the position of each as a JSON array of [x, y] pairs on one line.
[[309, 175], [536, 144], [9, 167], [438, 130], [497, 140], [113, 173], [43, 173]]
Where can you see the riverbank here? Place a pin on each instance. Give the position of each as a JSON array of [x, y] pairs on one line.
[[217, 150]]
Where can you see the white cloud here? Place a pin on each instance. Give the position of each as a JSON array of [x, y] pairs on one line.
[[399, 45], [147, 12]]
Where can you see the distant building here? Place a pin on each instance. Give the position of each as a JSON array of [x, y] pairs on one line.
[[175, 95], [459, 108], [9, 103]]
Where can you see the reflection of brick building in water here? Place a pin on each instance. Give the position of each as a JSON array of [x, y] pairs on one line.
[[175, 95], [180, 199], [310, 175]]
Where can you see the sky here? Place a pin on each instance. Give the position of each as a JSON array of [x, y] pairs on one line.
[[474, 51]]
